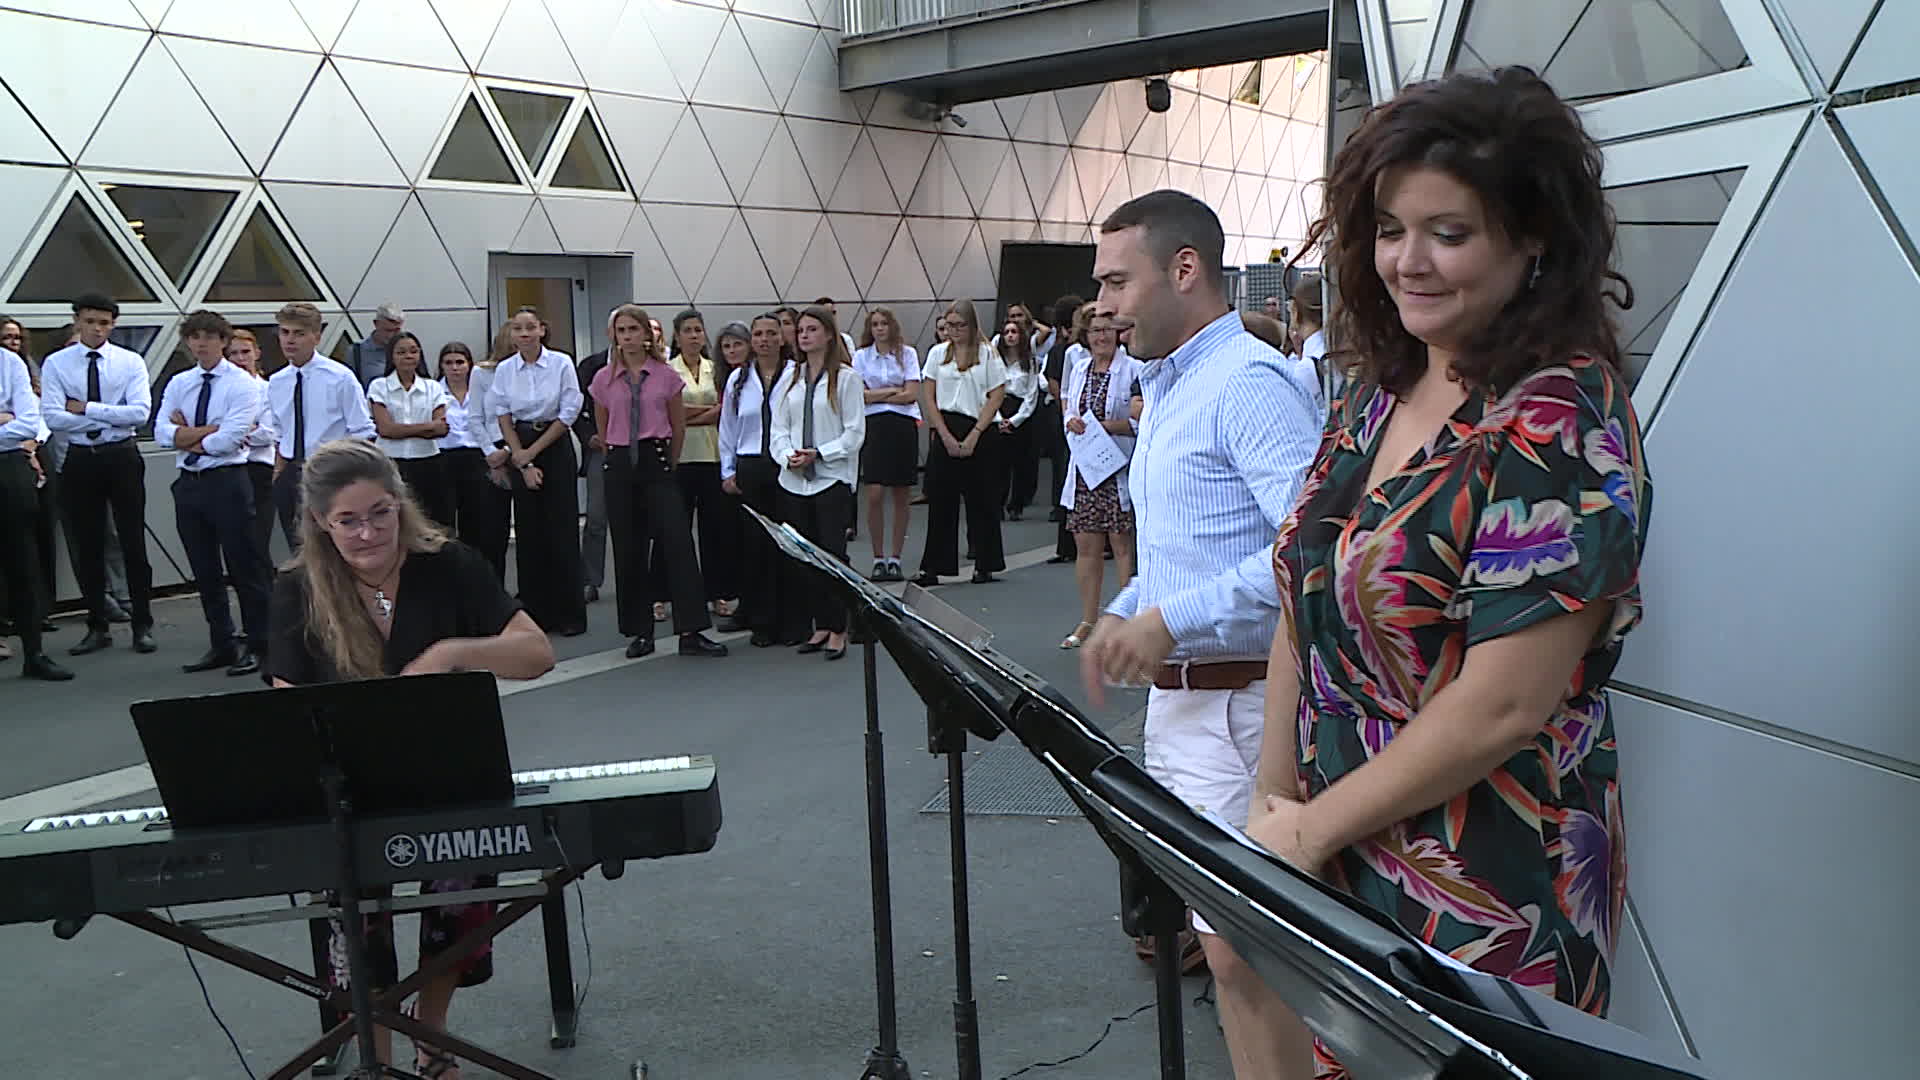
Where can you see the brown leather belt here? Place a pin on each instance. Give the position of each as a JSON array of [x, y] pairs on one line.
[[1225, 675]]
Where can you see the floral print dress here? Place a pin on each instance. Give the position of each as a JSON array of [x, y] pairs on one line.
[[1521, 509]]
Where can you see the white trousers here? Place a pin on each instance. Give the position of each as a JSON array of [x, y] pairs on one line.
[[1204, 746]]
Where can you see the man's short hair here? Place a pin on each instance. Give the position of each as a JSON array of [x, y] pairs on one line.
[[390, 310], [825, 301], [207, 322], [300, 315], [1266, 328], [1171, 220], [94, 301]]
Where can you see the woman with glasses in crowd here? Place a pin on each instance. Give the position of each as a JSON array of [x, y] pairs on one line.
[[1102, 387], [377, 589], [961, 386]]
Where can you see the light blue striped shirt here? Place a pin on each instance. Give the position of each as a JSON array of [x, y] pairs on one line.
[[1228, 432]]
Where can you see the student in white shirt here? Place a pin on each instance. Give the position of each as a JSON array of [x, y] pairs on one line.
[[749, 471], [475, 504], [315, 400], [206, 414], [243, 352], [536, 398], [890, 458], [1019, 451], [410, 417], [961, 387], [96, 394], [21, 432], [819, 423]]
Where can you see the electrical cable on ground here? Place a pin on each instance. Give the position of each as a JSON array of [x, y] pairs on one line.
[[208, 998]]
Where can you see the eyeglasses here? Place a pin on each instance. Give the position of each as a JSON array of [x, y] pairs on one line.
[[380, 520]]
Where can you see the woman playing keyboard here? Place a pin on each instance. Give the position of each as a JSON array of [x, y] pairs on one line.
[[377, 589]]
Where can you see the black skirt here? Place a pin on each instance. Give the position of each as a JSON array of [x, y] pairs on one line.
[[890, 456]]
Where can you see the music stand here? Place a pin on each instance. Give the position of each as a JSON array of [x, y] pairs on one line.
[[289, 756]]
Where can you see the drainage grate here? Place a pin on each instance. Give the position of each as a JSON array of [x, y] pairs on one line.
[[1007, 780]]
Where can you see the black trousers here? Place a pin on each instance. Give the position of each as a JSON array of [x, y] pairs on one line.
[[427, 479], [20, 549], [1050, 442], [480, 509], [96, 481], [762, 595], [260, 479], [645, 512], [1020, 457], [286, 502], [547, 536], [821, 518], [213, 509], [715, 518], [974, 480]]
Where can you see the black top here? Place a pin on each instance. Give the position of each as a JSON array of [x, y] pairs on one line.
[[451, 593], [585, 427], [1056, 368]]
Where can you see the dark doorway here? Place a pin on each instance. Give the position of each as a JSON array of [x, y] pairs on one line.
[[1038, 274]]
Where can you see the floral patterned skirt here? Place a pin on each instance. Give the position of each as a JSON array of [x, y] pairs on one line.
[[1098, 510], [440, 927]]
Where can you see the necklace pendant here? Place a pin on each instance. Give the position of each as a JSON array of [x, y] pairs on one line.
[[385, 605]]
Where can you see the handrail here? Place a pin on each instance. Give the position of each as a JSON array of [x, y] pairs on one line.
[[862, 17]]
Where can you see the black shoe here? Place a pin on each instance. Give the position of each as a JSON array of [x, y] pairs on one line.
[[926, 579], [143, 640], [214, 658], [92, 643], [117, 612], [1015, 515], [247, 663], [837, 654], [981, 577], [882, 570], [698, 644], [639, 647], [42, 667], [763, 639], [47, 626], [812, 646], [592, 595], [1058, 559]]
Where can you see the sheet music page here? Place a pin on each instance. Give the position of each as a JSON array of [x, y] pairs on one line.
[[1094, 452]]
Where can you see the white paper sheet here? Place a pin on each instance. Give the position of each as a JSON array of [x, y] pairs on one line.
[[1094, 452]]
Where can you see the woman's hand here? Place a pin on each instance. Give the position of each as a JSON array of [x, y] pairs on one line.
[[730, 485], [597, 443], [499, 475], [497, 460], [800, 459], [1006, 427], [952, 444], [1076, 425], [1284, 827], [533, 476], [522, 457], [439, 658]]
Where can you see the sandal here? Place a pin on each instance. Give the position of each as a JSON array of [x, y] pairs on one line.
[[659, 612], [435, 1064], [1079, 636]]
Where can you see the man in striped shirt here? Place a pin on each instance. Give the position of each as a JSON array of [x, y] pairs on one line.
[[1228, 432]]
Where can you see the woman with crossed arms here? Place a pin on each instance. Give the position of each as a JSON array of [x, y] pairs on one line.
[[535, 398], [409, 416], [960, 391]]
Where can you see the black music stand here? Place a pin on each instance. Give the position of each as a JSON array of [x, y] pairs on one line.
[[1384, 1001], [332, 752]]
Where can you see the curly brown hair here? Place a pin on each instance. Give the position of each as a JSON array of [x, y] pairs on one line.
[[1524, 153]]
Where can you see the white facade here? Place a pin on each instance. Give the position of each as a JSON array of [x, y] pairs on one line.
[[1766, 175], [697, 152]]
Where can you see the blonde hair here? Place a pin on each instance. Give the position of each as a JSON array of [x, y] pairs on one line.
[[964, 359], [337, 622], [1082, 321], [503, 345], [301, 316]]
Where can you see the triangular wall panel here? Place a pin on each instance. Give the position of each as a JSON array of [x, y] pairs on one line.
[[408, 106], [1882, 134], [862, 187], [630, 61], [687, 171], [1041, 166], [1041, 122], [977, 162], [331, 140], [780, 176], [26, 191], [537, 235], [33, 52], [526, 45], [790, 10], [902, 275], [938, 240], [690, 235], [22, 137], [399, 31], [471, 24], [112, 12], [639, 129], [273, 23], [903, 157], [324, 18], [864, 240], [158, 122], [779, 48], [1007, 196], [654, 281], [252, 92], [413, 268], [782, 237], [823, 270], [737, 275], [732, 78], [1076, 105], [824, 147], [686, 33], [739, 139], [315, 213], [588, 225], [972, 273], [473, 223], [817, 92], [940, 191], [1885, 53]]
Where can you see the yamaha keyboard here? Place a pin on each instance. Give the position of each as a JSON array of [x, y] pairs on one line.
[[78, 865]]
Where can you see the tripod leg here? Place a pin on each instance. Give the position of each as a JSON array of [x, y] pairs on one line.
[[1166, 990], [966, 1014], [884, 1061], [553, 922]]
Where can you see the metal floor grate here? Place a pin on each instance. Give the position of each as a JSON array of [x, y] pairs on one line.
[[1009, 781]]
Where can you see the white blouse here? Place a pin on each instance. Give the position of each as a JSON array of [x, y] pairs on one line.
[[460, 416], [839, 429], [964, 391], [408, 406]]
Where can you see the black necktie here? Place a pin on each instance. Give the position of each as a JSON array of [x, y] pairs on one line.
[[93, 384], [766, 417], [200, 409], [299, 416], [636, 380], [806, 420]]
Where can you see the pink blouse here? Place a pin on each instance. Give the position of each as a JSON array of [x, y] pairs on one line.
[[610, 389]]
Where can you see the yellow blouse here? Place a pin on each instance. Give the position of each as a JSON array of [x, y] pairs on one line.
[[702, 443]]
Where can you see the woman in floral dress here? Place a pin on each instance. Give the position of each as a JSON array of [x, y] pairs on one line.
[[1462, 566], [1104, 381]]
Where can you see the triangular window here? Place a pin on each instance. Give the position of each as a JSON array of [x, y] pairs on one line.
[[1249, 88], [1662, 228], [586, 163], [78, 257], [262, 268], [472, 153], [532, 119], [174, 223]]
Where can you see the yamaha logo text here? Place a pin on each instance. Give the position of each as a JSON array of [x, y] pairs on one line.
[[407, 849]]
